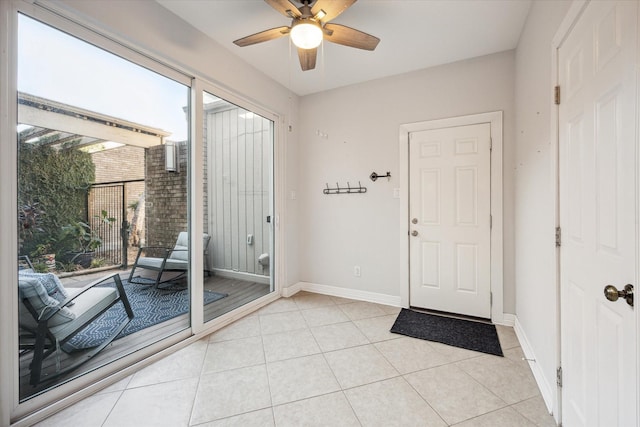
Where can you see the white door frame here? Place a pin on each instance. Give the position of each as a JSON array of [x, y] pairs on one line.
[[494, 118], [567, 24]]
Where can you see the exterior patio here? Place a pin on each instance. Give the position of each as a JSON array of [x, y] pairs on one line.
[[147, 204], [131, 192], [239, 292]]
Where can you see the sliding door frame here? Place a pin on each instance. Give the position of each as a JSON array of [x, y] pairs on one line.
[[276, 201]]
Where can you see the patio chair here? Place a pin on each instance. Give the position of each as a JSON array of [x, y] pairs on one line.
[[174, 259], [50, 315]]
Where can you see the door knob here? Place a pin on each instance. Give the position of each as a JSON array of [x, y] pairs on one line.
[[612, 293], [414, 221], [414, 233]]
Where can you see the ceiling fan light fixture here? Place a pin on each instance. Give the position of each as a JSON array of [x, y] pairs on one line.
[[306, 34]]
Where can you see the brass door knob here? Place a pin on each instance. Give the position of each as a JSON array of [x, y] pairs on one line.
[[414, 233], [612, 293]]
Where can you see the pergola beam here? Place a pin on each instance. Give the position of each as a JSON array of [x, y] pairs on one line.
[[85, 144], [32, 133], [47, 114]]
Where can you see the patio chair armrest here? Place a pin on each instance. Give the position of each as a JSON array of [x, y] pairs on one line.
[[155, 247]]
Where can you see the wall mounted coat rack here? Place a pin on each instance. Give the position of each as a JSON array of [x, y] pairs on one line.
[[375, 176], [345, 190]]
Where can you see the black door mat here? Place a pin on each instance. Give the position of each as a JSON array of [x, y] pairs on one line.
[[466, 334]]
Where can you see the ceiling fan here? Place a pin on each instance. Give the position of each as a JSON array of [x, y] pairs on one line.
[[309, 26]]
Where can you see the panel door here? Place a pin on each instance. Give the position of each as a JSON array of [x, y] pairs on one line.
[[449, 208], [598, 196]]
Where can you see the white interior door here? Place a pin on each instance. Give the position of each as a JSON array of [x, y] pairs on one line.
[[450, 213], [598, 196]]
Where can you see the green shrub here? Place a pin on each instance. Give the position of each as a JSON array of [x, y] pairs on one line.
[[55, 183], [98, 262], [40, 267], [67, 267]]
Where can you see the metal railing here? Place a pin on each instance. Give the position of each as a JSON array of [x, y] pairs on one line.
[[107, 205]]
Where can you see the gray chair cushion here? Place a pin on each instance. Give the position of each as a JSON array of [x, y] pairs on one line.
[[86, 306], [181, 248], [156, 263], [178, 258]]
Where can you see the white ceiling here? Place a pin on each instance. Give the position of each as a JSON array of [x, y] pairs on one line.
[[414, 34]]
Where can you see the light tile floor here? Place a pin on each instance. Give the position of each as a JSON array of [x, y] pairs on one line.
[[315, 360]]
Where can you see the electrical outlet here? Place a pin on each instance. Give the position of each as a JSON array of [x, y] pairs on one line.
[[396, 193], [356, 271]]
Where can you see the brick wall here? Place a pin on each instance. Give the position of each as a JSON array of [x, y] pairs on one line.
[[166, 204], [119, 164], [163, 196]]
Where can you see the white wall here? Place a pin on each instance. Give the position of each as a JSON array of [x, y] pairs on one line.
[[362, 122], [535, 271]]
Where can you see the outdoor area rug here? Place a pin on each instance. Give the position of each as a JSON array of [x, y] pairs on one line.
[[150, 306], [467, 334]]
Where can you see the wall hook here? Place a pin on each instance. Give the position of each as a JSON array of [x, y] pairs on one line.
[[344, 190], [374, 176]]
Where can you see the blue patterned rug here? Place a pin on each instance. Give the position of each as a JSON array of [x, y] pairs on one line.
[[150, 306]]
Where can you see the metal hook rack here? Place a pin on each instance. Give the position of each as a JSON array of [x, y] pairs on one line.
[[375, 176], [345, 190]]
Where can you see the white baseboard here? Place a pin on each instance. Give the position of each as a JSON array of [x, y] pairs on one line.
[[508, 319], [265, 280], [336, 291], [545, 386], [290, 291]]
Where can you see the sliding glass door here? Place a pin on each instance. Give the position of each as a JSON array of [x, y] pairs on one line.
[[103, 195], [144, 207], [238, 204]]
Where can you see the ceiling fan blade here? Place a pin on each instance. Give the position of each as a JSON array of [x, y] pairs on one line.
[[263, 36], [331, 8], [348, 36], [307, 58], [285, 7]]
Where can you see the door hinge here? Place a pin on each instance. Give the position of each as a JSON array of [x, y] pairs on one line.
[[490, 144], [558, 237], [491, 299], [559, 376], [490, 222], [556, 95]]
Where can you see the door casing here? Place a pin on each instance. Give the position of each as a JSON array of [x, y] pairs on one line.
[[494, 118]]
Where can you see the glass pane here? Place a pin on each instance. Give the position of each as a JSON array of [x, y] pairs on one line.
[[103, 196], [238, 205]]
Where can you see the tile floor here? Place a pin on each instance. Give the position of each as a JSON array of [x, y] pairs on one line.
[[315, 360]]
